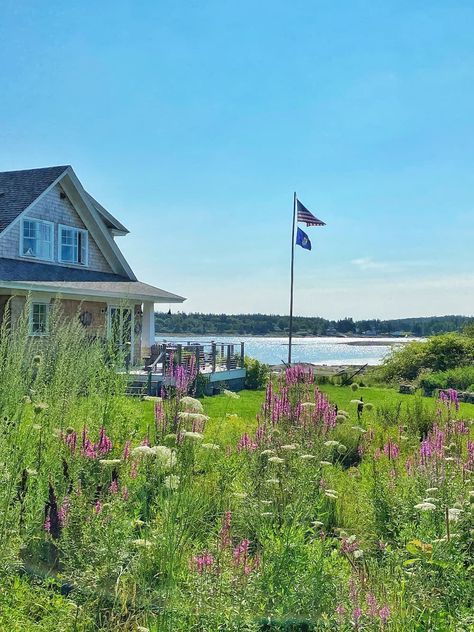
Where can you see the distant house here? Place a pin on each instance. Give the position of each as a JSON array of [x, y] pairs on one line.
[[58, 243]]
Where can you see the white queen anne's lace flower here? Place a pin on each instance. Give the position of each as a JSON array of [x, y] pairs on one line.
[[110, 462], [191, 404], [164, 455], [172, 482], [230, 394], [194, 436], [425, 506], [193, 417], [276, 459], [454, 514], [142, 450]]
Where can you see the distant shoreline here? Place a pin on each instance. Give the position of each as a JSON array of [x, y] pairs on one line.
[[361, 342]]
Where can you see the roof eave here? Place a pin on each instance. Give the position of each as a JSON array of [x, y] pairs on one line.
[[34, 286]]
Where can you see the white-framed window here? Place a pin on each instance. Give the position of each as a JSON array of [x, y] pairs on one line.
[[73, 245], [37, 239], [39, 319]]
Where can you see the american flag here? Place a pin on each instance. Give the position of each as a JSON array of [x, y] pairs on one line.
[[303, 215]]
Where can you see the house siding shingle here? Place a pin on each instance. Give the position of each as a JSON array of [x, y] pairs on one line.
[[53, 208]]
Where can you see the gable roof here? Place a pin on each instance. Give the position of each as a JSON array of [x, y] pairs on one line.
[[22, 189], [19, 189], [110, 221]]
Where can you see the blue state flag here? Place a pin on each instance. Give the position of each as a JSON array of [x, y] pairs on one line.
[[302, 239]]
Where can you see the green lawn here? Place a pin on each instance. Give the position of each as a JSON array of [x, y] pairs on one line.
[[342, 395], [249, 403], [224, 429]]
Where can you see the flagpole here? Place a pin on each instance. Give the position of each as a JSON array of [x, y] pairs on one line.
[[290, 329]]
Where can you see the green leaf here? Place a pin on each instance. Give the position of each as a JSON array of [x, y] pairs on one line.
[[413, 560]]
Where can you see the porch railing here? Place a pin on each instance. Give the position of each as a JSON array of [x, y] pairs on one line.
[[208, 357]]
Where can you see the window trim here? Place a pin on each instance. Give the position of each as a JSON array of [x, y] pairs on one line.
[[39, 334], [39, 221], [85, 232]]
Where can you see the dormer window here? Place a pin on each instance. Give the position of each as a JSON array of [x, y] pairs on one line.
[[37, 239], [73, 245]]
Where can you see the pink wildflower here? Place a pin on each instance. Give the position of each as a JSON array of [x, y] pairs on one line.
[[372, 604], [225, 530], [134, 469], [203, 562], [246, 443], [104, 444], [356, 614], [384, 614], [126, 450], [63, 511]]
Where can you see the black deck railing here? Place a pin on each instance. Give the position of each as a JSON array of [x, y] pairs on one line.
[[207, 357]]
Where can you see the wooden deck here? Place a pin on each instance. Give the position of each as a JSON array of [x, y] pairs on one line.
[[221, 363]]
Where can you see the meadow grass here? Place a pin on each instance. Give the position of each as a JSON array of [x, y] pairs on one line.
[[267, 510]]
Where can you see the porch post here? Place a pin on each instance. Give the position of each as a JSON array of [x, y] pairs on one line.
[[148, 328]]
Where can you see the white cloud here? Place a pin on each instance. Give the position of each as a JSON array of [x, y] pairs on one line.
[[367, 263]]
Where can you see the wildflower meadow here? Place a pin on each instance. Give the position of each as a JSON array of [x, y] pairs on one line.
[[266, 510]]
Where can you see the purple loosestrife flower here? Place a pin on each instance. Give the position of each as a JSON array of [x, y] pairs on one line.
[[125, 493], [372, 605], [260, 434], [225, 539], [98, 507], [159, 415], [104, 444], [461, 428], [241, 554], [384, 614], [391, 449], [63, 512], [470, 455], [134, 469], [113, 488], [356, 614], [71, 441], [126, 450], [203, 562], [246, 443], [87, 448]]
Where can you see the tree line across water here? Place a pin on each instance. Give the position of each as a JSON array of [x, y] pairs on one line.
[[271, 324]]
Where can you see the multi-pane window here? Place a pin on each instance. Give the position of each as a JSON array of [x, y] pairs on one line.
[[39, 319], [72, 245], [37, 239]]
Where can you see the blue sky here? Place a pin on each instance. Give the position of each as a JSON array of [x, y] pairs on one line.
[[195, 121]]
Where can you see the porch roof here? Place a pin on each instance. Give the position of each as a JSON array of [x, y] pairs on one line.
[[43, 277]]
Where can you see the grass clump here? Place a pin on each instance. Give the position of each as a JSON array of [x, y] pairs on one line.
[[288, 508]]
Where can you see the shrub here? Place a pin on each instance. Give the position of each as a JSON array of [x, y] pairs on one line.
[[461, 379], [257, 374], [439, 353]]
